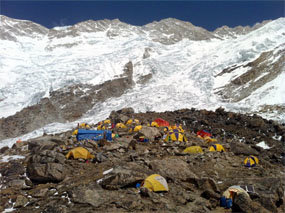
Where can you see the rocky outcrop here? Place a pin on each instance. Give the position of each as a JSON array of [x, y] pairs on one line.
[[258, 72], [46, 166]]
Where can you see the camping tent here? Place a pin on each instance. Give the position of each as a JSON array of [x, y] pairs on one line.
[[193, 150], [96, 135], [233, 190], [75, 132], [155, 183], [217, 148], [79, 152], [209, 139], [204, 133], [154, 124], [108, 121], [161, 122], [101, 127], [121, 126], [175, 135], [251, 161], [84, 125], [178, 127], [131, 121], [137, 128], [167, 128]]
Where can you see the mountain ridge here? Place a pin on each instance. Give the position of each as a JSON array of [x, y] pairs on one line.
[[220, 32]]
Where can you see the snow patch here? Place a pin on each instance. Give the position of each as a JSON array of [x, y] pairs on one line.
[[263, 145], [8, 158]]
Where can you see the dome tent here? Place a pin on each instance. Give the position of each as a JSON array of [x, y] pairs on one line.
[[175, 135], [193, 150], [217, 148], [79, 152], [251, 161], [155, 183]]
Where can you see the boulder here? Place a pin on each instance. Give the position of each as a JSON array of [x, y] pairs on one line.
[[94, 196], [125, 176], [12, 169], [38, 145], [242, 203], [256, 122], [48, 156], [43, 173], [124, 139], [172, 168], [47, 166], [206, 184], [4, 149], [126, 111], [20, 201], [150, 132], [17, 183], [242, 149]]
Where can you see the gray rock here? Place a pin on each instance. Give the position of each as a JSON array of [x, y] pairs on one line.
[[93, 196], [173, 169], [150, 132], [242, 149], [48, 156], [41, 144], [4, 149], [12, 169], [40, 193], [245, 204], [18, 184], [20, 201], [125, 176], [43, 173]]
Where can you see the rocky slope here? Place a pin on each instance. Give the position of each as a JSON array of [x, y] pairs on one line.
[[46, 182]]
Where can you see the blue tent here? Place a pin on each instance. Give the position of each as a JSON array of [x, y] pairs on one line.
[[96, 135]]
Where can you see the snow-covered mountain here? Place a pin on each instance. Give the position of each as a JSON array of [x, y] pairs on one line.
[[173, 65]]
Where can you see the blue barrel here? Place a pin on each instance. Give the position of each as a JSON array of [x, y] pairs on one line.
[[229, 203], [223, 201]]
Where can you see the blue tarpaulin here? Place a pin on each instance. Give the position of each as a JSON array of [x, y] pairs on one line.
[[96, 135]]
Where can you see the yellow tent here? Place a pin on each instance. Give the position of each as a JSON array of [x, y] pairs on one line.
[[217, 148], [153, 124], [75, 132], [84, 125], [155, 183], [121, 126], [208, 139], [251, 161], [167, 128], [178, 127], [193, 150], [79, 152], [175, 135], [101, 127], [233, 190], [107, 121], [137, 128], [131, 121]]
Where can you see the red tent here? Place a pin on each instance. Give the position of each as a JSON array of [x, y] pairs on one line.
[[204, 133], [161, 122]]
